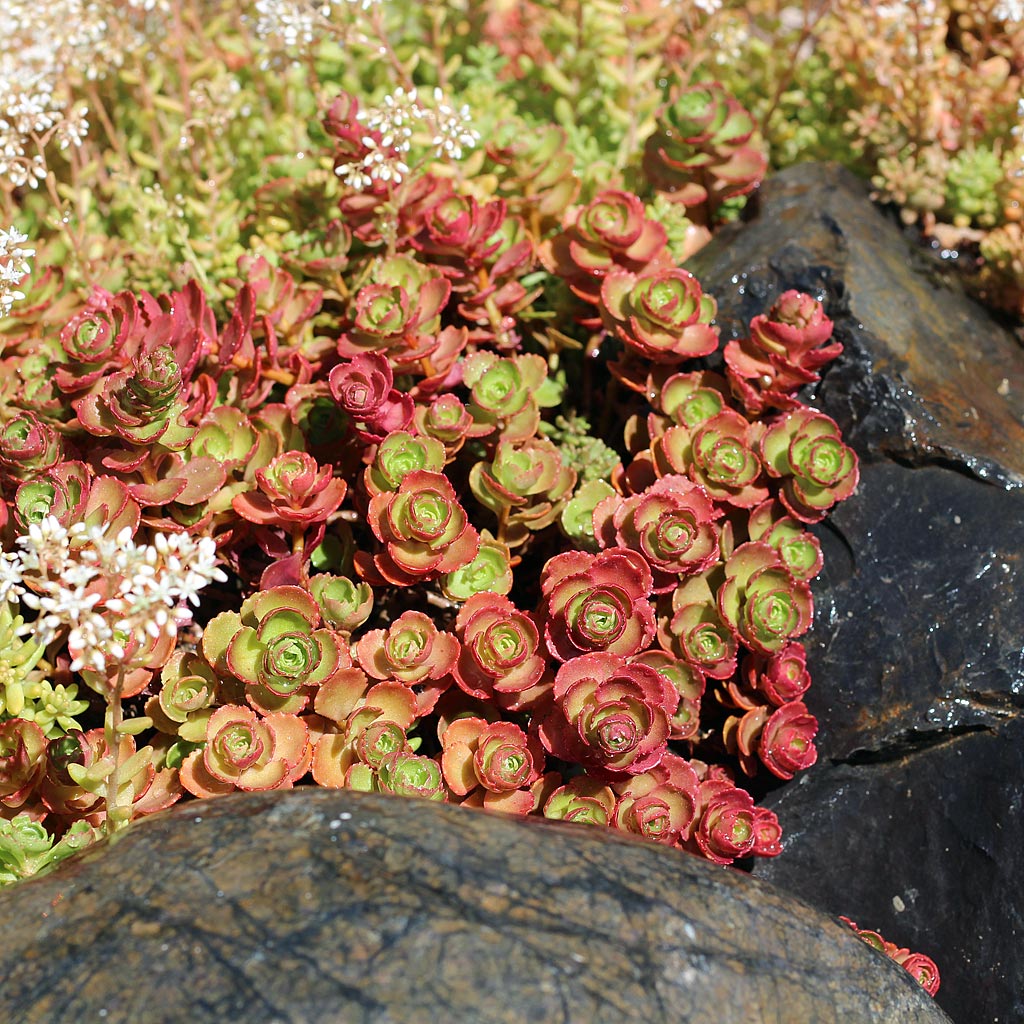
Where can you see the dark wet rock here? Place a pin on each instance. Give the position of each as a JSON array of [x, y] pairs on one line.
[[928, 374], [925, 848], [919, 618], [910, 822], [336, 906]]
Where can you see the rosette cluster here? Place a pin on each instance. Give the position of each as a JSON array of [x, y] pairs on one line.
[[783, 352], [704, 150], [492, 531]]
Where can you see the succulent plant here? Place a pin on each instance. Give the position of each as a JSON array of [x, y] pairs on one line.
[[805, 449], [609, 715], [245, 752], [661, 314], [27, 849], [597, 603], [365, 381], [920, 967], [703, 150], [424, 530], [276, 648], [500, 657]]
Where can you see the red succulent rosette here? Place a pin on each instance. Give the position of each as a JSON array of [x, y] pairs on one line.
[[671, 523], [787, 741], [22, 758], [609, 715], [612, 231], [921, 968], [703, 150], [794, 330], [499, 655], [363, 387], [661, 804], [723, 460], [497, 756], [727, 823], [696, 632], [29, 445], [293, 490], [102, 336], [424, 530], [597, 603], [783, 352], [806, 450], [142, 404], [398, 315], [689, 683], [767, 833], [459, 230], [661, 314], [782, 677]]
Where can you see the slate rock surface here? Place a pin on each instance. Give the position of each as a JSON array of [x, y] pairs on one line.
[[329, 906], [910, 822]]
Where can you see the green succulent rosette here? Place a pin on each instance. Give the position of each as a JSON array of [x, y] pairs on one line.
[[399, 454], [762, 603], [583, 800], [577, 518], [27, 849], [344, 605], [806, 450], [490, 572], [691, 399], [406, 774], [527, 477], [225, 435], [502, 393], [798, 548], [142, 405], [276, 649]]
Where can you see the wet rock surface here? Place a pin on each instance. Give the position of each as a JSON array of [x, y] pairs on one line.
[[336, 906], [910, 821], [928, 374]]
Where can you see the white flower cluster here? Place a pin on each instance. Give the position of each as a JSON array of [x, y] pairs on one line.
[[105, 589], [924, 13], [40, 45], [1009, 11], [450, 131], [293, 22], [14, 268], [298, 23], [452, 128]]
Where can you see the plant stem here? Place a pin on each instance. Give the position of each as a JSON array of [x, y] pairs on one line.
[[116, 816]]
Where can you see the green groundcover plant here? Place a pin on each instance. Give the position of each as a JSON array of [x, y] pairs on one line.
[[361, 425]]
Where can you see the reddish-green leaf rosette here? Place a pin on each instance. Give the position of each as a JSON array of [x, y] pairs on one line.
[[671, 523], [761, 601], [608, 715], [501, 656], [597, 603], [662, 314], [806, 450], [424, 530], [279, 652]]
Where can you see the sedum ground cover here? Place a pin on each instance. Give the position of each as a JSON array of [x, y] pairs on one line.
[[360, 423]]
